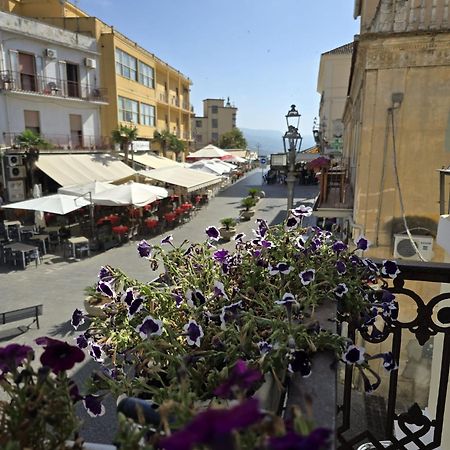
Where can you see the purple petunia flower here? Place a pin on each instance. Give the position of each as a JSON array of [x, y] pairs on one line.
[[292, 223], [12, 356], [93, 405], [213, 233], [128, 296], [228, 313], [340, 290], [288, 298], [59, 355], [96, 352], [302, 211], [307, 276], [281, 267], [221, 255], [341, 267], [354, 355], [167, 240], [195, 298], [135, 306], [194, 333], [316, 440], [213, 427], [239, 237], [339, 246], [263, 227], [77, 318], [219, 290], [390, 269], [82, 341], [242, 378], [104, 273], [300, 362], [144, 249], [389, 362], [264, 347], [362, 243], [178, 298], [106, 289], [266, 244], [150, 327]]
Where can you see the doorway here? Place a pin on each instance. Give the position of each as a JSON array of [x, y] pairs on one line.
[[73, 78], [27, 71], [76, 131]]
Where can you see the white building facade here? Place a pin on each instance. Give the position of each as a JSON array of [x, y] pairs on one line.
[[49, 84]]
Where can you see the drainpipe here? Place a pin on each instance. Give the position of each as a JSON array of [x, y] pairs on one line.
[[357, 226]]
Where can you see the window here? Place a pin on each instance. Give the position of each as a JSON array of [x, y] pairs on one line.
[[146, 75], [32, 121], [199, 138], [215, 137], [126, 65], [128, 110], [214, 109], [214, 123], [147, 115], [198, 123]]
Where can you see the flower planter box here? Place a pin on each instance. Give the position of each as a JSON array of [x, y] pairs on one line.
[[93, 446]]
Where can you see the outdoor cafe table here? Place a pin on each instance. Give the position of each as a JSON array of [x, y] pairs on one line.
[[74, 241], [24, 249], [42, 238]]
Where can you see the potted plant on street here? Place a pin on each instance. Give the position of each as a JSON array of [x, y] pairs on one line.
[[248, 203], [228, 229], [254, 193]]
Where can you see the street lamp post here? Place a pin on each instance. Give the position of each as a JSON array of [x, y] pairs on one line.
[[292, 141]]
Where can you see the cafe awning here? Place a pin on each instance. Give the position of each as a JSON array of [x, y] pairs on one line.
[[191, 180], [154, 161], [80, 169]]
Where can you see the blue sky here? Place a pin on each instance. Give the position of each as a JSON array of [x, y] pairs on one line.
[[263, 54]]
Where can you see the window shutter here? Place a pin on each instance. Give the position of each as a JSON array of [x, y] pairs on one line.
[[63, 76]]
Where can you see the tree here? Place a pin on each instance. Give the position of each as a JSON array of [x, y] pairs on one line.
[[168, 141], [233, 139], [124, 136]]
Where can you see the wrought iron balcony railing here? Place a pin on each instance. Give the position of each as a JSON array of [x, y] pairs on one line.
[[32, 83], [72, 141], [405, 417]]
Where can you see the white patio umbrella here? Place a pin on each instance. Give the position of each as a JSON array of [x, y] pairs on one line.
[[210, 151], [210, 167], [94, 187], [136, 194], [56, 204]]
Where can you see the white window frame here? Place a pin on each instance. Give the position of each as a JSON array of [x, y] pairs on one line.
[[146, 75], [126, 111], [147, 115], [125, 63]]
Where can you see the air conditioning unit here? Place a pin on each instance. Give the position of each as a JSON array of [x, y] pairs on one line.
[[13, 160], [90, 63], [50, 53], [17, 172], [404, 249]]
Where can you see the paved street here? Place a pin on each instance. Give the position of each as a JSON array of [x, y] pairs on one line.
[[59, 286]]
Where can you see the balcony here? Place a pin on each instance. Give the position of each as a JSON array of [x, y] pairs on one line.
[[51, 87], [162, 97], [73, 142], [175, 101]]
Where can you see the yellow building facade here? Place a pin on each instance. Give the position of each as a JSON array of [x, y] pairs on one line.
[[142, 89], [397, 119]]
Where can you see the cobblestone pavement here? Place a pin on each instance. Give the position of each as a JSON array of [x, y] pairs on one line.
[[59, 284]]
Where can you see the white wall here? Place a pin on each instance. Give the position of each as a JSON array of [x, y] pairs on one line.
[[53, 114]]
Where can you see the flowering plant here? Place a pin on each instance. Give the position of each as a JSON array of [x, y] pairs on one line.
[[179, 339], [40, 411]]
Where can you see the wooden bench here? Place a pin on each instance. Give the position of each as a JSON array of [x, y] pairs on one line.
[[31, 312]]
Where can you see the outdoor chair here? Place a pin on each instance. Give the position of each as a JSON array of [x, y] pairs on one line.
[[34, 256], [83, 249], [54, 239]]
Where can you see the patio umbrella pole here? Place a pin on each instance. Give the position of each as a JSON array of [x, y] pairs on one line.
[[92, 218]]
